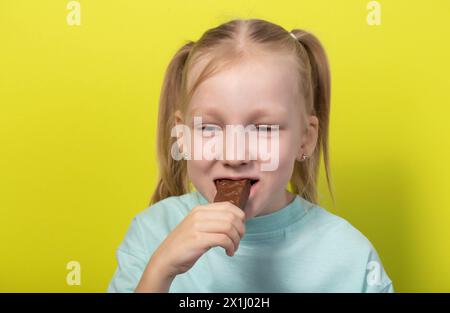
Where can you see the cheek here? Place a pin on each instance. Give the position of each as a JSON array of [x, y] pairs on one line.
[[286, 166], [287, 154], [198, 171], [196, 167], [284, 148], [288, 149]]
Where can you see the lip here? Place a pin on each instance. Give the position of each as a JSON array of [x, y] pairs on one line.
[[253, 189], [254, 180]]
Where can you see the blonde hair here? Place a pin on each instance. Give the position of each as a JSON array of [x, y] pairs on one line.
[[224, 45]]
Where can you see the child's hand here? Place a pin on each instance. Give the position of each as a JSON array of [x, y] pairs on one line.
[[206, 226]]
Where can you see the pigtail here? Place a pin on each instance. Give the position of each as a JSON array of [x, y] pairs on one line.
[[305, 175], [172, 179]]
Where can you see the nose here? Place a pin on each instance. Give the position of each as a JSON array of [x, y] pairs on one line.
[[236, 157], [234, 162]]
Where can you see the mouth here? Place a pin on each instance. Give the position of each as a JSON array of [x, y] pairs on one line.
[[254, 186], [253, 181]]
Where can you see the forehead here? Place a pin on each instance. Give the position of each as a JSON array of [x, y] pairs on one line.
[[265, 83]]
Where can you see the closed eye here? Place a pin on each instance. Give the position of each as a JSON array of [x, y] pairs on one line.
[[209, 130], [210, 127], [265, 128]]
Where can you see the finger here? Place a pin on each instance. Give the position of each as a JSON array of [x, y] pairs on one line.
[[213, 240], [228, 206], [217, 226], [226, 217]]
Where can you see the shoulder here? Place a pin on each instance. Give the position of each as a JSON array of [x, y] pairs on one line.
[[167, 213], [150, 226], [160, 218], [175, 205], [337, 230], [350, 250]]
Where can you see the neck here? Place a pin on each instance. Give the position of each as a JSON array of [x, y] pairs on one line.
[[279, 202]]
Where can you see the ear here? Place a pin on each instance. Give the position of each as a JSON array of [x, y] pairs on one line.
[[309, 138], [178, 119]]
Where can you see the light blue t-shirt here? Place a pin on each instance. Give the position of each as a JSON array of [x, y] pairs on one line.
[[299, 248]]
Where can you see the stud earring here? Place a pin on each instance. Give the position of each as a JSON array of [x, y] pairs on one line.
[[304, 157]]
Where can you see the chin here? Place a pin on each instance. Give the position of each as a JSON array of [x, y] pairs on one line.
[[252, 209]]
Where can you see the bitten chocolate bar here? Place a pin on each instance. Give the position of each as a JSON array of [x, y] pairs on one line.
[[234, 191]]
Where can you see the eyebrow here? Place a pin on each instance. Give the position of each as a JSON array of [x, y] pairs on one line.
[[258, 113], [208, 110]]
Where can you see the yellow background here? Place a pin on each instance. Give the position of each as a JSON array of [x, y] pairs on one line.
[[78, 108]]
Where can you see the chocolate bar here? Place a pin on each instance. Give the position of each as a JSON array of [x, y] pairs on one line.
[[234, 191]]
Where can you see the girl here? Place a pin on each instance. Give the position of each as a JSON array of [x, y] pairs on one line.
[[246, 72]]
